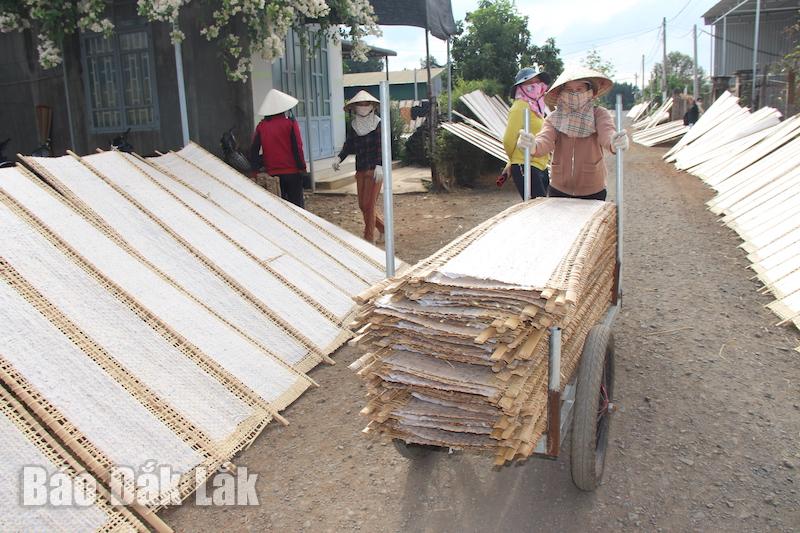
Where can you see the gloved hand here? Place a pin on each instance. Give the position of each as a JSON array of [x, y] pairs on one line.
[[620, 141], [526, 140], [501, 179], [336, 165]]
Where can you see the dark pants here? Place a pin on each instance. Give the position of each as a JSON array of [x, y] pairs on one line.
[[540, 179], [555, 193], [292, 189]]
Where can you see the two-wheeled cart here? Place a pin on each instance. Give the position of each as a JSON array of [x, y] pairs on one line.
[[586, 403]]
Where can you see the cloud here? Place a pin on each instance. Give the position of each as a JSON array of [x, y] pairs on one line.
[[619, 31], [409, 43], [551, 19]]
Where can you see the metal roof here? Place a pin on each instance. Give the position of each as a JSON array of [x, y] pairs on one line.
[[374, 51], [364, 79], [720, 8]]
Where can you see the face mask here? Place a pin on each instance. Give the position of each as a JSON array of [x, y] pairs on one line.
[[574, 100], [534, 91], [362, 110]]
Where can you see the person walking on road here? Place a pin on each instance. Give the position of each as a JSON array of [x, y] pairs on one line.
[[364, 140], [577, 132], [530, 86], [278, 146]]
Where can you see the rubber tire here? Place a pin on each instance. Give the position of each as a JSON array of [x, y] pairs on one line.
[[587, 454], [239, 162], [412, 451]]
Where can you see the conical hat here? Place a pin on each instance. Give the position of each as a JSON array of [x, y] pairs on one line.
[[276, 102], [362, 96], [600, 82]]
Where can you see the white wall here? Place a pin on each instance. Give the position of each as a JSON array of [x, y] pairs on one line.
[[261, 83], [337, 94]]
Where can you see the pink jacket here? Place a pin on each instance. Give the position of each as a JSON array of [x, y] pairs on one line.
[[577, 165]]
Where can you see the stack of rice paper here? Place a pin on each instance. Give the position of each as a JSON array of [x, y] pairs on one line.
[[457, 347]]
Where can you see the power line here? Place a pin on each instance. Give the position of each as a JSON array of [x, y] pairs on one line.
[[624, 37], [654, 48], [616, 37], [681, 11]]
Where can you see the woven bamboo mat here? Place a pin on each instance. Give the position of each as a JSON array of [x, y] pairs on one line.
[[330, 292], [447, 365], [239, 196], [184, 211], [260, 370], [132, 345], [259, 235], [290, 213], [115, 422], [142, 237], [25, 443], [285, 305]]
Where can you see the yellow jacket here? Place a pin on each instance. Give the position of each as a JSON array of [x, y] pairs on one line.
[[516, 122]]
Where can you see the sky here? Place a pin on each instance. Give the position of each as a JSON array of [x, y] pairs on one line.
[[620, 30]]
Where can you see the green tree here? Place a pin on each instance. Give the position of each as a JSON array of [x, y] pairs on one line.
[[594, 61], [679, 73], [548, 57], [432, 60], [352, 66], [494, 42], [628, 92]]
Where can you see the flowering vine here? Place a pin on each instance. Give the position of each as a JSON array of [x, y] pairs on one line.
[[240, 27]]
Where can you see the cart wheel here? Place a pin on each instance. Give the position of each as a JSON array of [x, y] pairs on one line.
[[591, 420], [412, 451]]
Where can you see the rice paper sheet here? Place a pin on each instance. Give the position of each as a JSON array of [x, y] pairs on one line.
[[25, 443], [271, 379]]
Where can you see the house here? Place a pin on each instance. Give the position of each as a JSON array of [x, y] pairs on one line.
[[106, 86], [734, 30], [131, 81], [403, 84]]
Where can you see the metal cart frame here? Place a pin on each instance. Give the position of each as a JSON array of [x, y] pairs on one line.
[[561, 406]]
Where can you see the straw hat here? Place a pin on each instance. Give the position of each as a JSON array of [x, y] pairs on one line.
[[276, 102], [600, 83], [362, 96]]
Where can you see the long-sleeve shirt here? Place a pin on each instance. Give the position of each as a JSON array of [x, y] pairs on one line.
[[516, 121], [578, 168], [367, 148], [273, 139]]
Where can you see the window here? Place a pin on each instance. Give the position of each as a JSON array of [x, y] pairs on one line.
[[119, 76]]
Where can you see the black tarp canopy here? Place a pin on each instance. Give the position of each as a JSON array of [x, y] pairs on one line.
[[436, 15]]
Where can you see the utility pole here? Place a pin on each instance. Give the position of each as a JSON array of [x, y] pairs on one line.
[[755, 55], [643, 76], [695, 82], [636, 79], [724, 47], [664, 61]]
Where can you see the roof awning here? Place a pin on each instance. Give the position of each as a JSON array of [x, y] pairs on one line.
[[374, 51], [725, 6], [435, 15]]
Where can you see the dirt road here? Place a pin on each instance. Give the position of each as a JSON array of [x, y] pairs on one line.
[[707, 438]]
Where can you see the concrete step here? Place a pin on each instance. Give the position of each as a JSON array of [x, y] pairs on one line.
[[326, 179], [335, 181]]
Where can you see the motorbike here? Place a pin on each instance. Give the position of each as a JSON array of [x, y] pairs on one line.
[[121, 144], [231, 154], [4, 161], [44, 150]]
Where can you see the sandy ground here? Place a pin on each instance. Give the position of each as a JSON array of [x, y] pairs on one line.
[[707, 437]]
